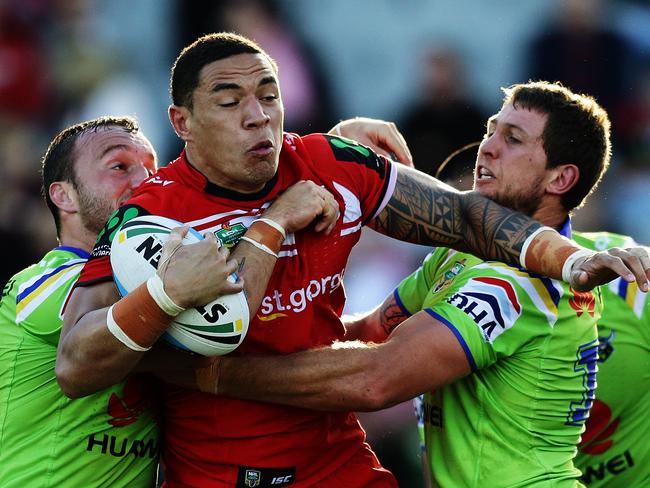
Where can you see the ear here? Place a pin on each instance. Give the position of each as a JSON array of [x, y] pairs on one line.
[[565, 177], [181, 119], [64, 196]]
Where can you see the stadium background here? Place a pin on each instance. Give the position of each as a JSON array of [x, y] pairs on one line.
[[433, 66]]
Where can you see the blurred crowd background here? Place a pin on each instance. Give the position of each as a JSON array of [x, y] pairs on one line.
[[435, 67]]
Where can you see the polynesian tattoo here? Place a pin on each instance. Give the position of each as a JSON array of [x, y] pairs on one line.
[[425, 211]]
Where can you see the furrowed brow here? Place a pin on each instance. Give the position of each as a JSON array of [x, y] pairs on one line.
[[225, 86], [268, 80], [114, 147]]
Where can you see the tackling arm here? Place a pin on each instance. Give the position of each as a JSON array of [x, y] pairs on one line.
[[420, 355], [423, 210], [376, 325]]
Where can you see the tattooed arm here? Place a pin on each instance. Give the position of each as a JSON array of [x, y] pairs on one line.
[[423, 210], [426, 211], [376, 325]]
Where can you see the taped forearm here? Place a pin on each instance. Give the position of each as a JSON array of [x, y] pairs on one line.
[[548, 253]]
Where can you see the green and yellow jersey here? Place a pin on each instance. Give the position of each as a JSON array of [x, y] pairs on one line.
[[108, 439], [532, 345], [615, 451]]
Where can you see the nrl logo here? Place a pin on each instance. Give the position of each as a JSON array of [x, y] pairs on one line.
[[229, 235], [252, 477], [449, 275]]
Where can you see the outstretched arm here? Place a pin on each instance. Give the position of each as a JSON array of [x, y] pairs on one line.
[[420, 355], [376, 325], [423, 210]]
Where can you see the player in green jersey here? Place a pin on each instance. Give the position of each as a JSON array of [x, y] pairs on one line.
[[615, 452], [47, 440], [507, 359]]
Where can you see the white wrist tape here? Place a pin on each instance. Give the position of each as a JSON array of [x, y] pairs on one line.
[[275, 225], [571, 260], [524, 248], [120, 335], [259, 245], [157, 291]]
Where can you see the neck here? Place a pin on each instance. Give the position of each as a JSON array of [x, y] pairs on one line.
[[80, 238], [551, 219]]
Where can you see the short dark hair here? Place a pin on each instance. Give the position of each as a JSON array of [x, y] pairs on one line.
[[205, 50], [58, 161], [577, 132]]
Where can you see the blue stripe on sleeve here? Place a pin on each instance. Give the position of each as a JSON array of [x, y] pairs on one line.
[[458, 335], [400, 304]]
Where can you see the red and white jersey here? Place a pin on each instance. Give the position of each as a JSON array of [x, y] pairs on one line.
[[213, 441]]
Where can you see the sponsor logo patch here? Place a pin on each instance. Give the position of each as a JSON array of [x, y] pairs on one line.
[[492, 303], [583, 302], [250, 477], [449, 275], [599, 429], [229, 235]]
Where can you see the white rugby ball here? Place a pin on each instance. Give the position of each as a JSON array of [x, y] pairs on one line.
[[212, 330]]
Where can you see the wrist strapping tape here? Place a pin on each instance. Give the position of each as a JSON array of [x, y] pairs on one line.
[[527, 242], [138, 317], [571, 260], [157, 291]]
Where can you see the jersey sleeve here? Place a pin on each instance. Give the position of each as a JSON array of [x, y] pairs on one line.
[[364, 179], [98, 266], [413, 290], [484, 308]]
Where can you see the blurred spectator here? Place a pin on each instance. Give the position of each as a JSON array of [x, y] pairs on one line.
[[445, 116], [80, 61], [633, 123], [578, 49], [305, 91], [24, 221], [25, 83]]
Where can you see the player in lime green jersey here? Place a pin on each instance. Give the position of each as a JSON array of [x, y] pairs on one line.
[[507, 359], [533, 344], [110, 438], [615, 452]]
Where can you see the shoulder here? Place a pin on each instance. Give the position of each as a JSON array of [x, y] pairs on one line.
[[342, 151], [600, 241]]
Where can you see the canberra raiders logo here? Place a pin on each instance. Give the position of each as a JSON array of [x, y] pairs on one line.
[[449, 275]]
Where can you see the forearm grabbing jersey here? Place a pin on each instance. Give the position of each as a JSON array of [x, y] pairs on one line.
[[108, 439], [532, 345], [217, 441], [615, 449]]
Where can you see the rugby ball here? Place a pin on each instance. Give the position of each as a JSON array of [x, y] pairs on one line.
[[212, 330]]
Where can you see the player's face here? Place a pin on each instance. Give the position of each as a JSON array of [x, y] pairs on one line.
[[109, 164], [511, 161], [235, 126]]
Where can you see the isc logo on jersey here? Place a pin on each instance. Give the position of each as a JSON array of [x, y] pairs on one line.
[[492, 303]]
